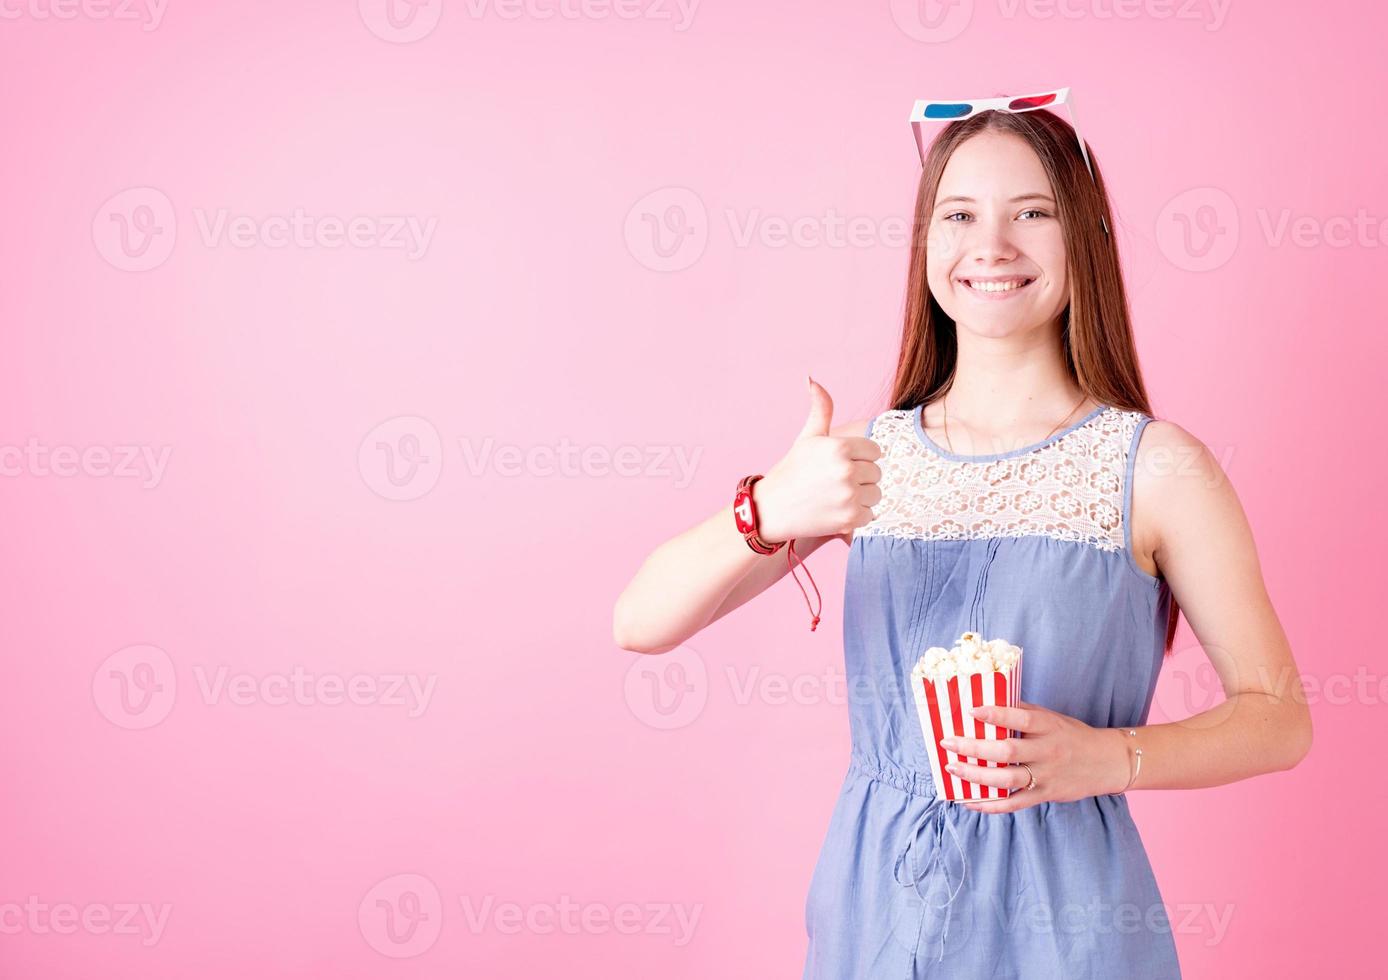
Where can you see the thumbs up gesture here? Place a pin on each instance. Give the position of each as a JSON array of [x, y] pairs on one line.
[[824, 485]]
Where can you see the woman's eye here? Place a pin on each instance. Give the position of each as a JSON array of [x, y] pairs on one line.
[[1036, 211], [955, 214]]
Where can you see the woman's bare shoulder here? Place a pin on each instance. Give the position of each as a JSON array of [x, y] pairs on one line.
[[1169, 452], [1179, 483]]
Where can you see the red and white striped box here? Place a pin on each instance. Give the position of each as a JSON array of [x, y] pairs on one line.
[[942, 700]]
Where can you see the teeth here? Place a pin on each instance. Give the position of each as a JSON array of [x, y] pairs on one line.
[[997, 287]]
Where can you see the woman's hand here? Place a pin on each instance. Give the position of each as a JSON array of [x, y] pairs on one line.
[[825, 485], [1071, 760]]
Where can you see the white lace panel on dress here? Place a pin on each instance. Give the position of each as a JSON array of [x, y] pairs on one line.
[[1070, 489]]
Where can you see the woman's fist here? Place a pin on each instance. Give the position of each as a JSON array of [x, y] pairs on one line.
[[825, 485]]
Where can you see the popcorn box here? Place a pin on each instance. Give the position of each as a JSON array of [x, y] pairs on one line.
[[946, 682]]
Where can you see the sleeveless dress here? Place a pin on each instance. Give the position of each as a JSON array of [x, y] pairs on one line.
[[1032, 546]]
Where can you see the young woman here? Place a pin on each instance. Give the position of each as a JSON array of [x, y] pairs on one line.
[[1018, 487]]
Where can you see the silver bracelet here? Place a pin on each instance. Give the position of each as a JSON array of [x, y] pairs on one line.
[[1137, 768]]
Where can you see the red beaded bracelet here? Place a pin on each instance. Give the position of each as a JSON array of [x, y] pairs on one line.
[[747, 519]]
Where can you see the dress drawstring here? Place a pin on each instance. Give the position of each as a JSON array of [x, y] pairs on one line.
[[934, 814]]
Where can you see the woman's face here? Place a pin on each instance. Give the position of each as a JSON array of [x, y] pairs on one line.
[[995, 227]]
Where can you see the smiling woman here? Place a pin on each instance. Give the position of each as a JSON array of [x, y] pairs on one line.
[[1013, 489]]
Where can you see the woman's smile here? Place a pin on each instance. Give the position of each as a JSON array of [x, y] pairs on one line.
[[997, 288]]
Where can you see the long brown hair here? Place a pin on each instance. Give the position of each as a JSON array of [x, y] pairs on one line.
[[1096, 329]]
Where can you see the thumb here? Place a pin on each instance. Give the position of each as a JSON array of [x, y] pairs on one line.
[[821, 411]]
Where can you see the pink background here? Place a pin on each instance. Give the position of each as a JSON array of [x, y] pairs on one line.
[[294, 526]]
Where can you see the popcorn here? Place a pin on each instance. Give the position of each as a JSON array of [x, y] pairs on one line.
[[938, 662], [973, 672], [971, 655], [970, 644]]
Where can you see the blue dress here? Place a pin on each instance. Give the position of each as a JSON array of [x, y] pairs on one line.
[[1033, 546]]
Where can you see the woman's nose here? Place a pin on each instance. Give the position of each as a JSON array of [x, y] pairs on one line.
[[991, 240]]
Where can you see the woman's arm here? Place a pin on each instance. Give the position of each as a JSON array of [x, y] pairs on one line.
[[825, 486], [1200, 539], [694, 579]]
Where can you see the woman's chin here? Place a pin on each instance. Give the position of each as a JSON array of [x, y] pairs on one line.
[[997, 328]]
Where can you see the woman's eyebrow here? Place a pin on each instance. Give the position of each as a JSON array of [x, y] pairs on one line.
[[1016, 200]]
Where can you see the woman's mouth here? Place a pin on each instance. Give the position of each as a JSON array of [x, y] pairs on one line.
[[997, 288]]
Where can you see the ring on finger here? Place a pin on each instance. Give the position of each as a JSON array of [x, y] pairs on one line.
[[1032, 784]]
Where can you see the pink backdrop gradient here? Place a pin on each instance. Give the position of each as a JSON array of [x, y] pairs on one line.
[[236, 452]]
